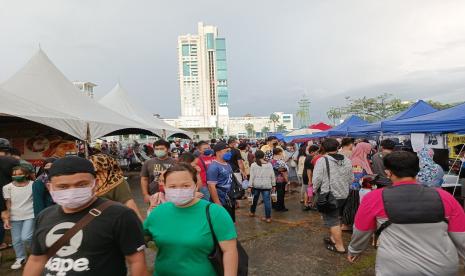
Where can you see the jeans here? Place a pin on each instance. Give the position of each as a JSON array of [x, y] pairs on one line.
[[281, 191], [266, 200], [21, 235], [206, 193]]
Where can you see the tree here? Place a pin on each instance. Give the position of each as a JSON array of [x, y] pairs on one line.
[[334, 115], [220, 132], [265, 130], [250, 129], [274, 118], [281, 128], [441, 106]]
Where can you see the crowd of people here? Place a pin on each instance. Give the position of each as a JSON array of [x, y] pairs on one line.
[[77, 216]]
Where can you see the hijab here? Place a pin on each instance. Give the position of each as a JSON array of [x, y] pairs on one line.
[[109, 173], [359, 156], [430, 173]]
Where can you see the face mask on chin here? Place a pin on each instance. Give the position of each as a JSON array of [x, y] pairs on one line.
[[73, 198], [179, 197]]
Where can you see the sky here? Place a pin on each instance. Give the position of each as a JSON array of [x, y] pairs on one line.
[[277, 51]]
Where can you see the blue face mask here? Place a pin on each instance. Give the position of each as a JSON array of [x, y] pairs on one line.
[[208, 152], [227, 156]]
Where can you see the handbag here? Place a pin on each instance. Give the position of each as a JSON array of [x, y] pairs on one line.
[[236, 191], [90, 216], [326, 202], [216, 256]]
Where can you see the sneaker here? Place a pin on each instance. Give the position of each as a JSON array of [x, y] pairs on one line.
[[18, 264]]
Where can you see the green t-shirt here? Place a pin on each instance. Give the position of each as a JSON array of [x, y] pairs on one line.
[[183, 237]]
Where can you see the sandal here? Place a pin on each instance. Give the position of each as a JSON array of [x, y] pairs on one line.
[[251, 215], [333, 248], [267, 220], [5, 246], [328, 240]]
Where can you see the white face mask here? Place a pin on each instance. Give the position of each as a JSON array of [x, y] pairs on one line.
[[73, 198], [179, 196]]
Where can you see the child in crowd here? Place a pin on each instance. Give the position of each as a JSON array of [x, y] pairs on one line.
[[20, 214]]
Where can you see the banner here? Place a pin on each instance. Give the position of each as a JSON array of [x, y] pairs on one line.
[[453, 140]]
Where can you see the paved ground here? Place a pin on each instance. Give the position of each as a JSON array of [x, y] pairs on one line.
[[291, 245]]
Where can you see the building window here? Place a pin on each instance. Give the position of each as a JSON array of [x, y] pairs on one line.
[[185, 69]]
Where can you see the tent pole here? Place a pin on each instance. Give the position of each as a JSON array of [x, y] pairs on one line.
[[87, 141], [164, 134]]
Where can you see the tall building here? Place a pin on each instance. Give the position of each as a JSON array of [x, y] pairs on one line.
[[86, 87], [203, 79]]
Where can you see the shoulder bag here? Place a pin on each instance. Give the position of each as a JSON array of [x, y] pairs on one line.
[[216, 256], [326, 202], [236, 191], [90, 216]]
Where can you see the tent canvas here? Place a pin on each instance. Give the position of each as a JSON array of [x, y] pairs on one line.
[[417, 109], [119, 101], [17, 106], [41, 82], [342, 129], [451, 120]]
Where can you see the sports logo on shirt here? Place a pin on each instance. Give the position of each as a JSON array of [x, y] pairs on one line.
[[61, 265]]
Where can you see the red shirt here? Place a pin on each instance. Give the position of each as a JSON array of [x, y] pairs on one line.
[[207, 160]]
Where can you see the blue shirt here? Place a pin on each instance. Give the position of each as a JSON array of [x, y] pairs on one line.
[[220, 175]]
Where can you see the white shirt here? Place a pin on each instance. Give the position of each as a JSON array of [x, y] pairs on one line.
[[21, 201]]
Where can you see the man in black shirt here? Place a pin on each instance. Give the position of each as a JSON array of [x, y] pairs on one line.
[[102, 247], [307, 174], [236, 162]]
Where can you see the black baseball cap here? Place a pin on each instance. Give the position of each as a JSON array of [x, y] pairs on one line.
[[220, 146], [71, 165]]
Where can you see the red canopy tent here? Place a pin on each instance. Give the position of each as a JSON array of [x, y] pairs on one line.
[[321, 126]]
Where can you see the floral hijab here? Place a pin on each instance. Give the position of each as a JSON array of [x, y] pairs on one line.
[[430, 173], [109, 173]]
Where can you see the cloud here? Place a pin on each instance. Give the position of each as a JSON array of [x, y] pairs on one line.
[[276, 50]]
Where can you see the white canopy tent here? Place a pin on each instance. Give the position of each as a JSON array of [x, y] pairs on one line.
[[40, 82], [13, 105], [118, 100]]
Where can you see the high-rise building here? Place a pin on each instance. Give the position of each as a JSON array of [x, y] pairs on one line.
[[203, 79]]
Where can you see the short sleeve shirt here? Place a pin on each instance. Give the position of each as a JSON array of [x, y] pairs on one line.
[[98, 249], [184, 239], [308, 165], [153, 169], [221, 176], [204, 162], [234, 162], [21, 201]]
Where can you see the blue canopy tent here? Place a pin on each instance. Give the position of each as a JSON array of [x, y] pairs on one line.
[[342, 129], [417, 109], [451, 120]]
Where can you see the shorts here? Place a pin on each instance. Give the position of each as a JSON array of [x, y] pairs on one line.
[[333, 218]]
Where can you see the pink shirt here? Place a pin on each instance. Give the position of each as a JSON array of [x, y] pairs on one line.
[[372, 208]]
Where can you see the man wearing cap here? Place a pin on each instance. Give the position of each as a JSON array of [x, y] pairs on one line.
[[7, 163], [219, 178], [102, 247]]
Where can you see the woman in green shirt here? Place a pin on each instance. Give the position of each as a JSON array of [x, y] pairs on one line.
[[180, 229]]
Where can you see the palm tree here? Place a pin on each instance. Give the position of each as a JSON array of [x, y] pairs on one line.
[[274, 118], [281, 128], [250, 129], [265, 130]]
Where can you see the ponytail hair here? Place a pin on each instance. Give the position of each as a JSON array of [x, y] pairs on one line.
[[259, 155]]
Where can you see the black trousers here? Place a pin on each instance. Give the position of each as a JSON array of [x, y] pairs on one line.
[[231, 209], [280, 191]]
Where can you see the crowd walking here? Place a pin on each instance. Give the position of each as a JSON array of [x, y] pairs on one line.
[[79, 216]]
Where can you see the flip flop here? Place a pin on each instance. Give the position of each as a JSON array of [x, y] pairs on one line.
[[5, 246], [328, 240], [333, 248]]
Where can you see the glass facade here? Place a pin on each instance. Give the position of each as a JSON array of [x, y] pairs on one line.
[[185, 50], [186, 69], [221, 72], [210, 41]]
